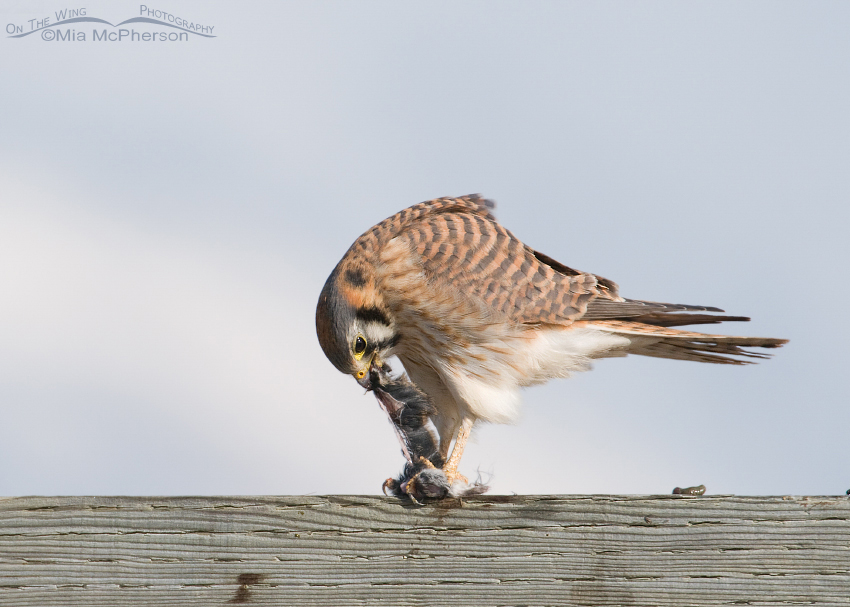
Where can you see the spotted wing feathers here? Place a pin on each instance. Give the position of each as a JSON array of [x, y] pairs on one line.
[[459, 245], [474, 254], [474, 204]]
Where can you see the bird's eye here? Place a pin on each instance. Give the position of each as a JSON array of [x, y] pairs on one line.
[[359, 347]]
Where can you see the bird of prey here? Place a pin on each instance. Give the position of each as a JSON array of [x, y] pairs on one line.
[[474, 315]]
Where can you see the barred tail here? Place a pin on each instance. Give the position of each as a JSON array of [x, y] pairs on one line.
[[663, 342]]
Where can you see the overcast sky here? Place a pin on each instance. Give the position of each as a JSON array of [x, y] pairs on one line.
[[169, 211]]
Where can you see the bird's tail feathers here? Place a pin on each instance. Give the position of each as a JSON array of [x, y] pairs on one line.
[[663, 342]]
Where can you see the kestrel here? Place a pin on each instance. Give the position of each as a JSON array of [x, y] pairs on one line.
[[474, 315]]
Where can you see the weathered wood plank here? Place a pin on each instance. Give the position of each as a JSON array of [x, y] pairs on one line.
[[355, 550]]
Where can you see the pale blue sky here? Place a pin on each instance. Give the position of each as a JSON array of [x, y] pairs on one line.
[[170, 211]]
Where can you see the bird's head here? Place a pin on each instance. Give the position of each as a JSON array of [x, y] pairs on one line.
[[355, 328]]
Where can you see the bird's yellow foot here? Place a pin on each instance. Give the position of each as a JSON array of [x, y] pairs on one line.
[[453, 475], [427, 482], [450, 469], [410, 486], [398, 487]]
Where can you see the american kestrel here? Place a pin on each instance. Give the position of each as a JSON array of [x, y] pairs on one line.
[[474, 315]]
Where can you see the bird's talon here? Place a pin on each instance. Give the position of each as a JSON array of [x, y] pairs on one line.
[[409, 486]]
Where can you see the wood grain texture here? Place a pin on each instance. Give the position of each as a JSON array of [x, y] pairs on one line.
[[490, 550]]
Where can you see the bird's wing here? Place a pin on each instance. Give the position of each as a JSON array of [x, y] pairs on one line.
[[460, 245], [456, 247], [471, 253]]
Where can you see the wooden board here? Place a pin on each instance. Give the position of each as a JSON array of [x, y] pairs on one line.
[[359, 550]]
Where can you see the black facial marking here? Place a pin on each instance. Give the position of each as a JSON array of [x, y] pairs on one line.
[[355, 277], [372, 314], [386, 344]]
